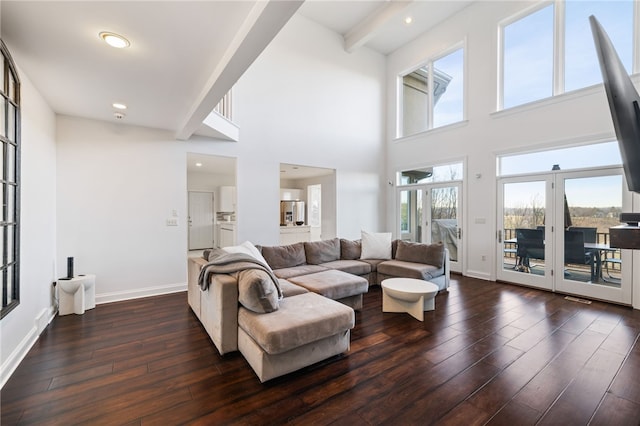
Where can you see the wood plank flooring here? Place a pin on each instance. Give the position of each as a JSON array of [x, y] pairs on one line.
[[490, 353]]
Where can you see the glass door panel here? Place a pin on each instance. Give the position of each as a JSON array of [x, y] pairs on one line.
[[523, 230], [590, 203], [444, 221], [410, 213]]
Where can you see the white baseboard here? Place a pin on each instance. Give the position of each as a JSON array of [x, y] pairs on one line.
[[118, 296], [15, 358], [481, 275]]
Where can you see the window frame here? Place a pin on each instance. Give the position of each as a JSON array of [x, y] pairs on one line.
[[10, 219]]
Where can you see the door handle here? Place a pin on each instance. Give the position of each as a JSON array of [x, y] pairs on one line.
[[500, 235], [459, 233]]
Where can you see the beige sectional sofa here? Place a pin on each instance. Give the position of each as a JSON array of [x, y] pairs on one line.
[[308, 324]]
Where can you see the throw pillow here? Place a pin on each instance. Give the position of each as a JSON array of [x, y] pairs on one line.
[[256, 291], [430, 254], [350, 250], [376, 245], [247, 248]]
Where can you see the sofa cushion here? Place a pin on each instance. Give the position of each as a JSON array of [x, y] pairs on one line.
[[332, 284], [286, 273], [257, 291], [300, 320], [350, 250], [373, 263], [400, 268], [279, 257], [356, 267], [376, 245], [318, 252], [290, 289], [430, 254]]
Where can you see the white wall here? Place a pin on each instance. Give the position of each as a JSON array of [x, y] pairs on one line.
[[572, 118], [117, 185], [22, 326], [306, 101]]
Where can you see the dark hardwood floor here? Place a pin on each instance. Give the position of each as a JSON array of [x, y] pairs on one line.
[[489, 354]]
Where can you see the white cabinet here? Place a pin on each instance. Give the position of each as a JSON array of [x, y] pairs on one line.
[[227, 234], [291, 194], [294, 234], [227, 199]]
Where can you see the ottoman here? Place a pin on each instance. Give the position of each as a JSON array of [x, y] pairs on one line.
[[337, 285]]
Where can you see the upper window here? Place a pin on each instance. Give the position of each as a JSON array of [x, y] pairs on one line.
[[10, 181], [532, 71], [433, 94], [528, 58]]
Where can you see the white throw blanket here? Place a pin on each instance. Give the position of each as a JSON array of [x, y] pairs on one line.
[[229, 263]]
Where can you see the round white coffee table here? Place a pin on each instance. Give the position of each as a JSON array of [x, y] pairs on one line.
[[408, 295]]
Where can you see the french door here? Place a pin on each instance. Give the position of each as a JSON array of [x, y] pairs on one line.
[[589, 203], [553, 233], [431, 213], [524, 255]]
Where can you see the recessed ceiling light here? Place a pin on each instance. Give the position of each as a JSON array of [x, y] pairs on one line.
[[114, 40], [117, 105], [408, 20], [198, 164]]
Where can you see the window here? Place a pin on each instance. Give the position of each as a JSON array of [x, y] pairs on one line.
[[440, 173], [576, 157], [10, 182], [532, 71], [528, 58], [581, 62], [424, 108]]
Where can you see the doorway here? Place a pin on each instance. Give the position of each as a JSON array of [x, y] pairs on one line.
[[553, 233], [431, 213], [208, 179]]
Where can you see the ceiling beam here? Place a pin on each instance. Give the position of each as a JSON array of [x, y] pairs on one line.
[[367, 28], [263, 23]]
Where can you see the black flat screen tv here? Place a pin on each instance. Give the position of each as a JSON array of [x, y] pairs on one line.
[[624, 103]]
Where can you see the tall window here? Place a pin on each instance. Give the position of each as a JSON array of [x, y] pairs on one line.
[[531, 69], [528, 58], [10, 182], [433, 94]]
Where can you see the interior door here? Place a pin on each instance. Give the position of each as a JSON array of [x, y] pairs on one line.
[[201, 220], [587, 204], [431, 213], [525, 226]]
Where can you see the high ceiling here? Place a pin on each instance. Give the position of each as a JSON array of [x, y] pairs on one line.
[[184, 55]]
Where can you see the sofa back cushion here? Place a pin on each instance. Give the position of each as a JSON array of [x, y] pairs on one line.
[[430, 254], [279, 257], [318, 252], [350, 250]]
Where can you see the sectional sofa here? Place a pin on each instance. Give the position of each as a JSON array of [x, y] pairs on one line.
[[287, 307]]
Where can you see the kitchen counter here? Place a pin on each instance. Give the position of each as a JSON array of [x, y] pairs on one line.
[[294, 234]]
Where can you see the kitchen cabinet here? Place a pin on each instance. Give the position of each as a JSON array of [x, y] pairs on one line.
[[227, 199], [291, 194], [227, 234], [294, 234]]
